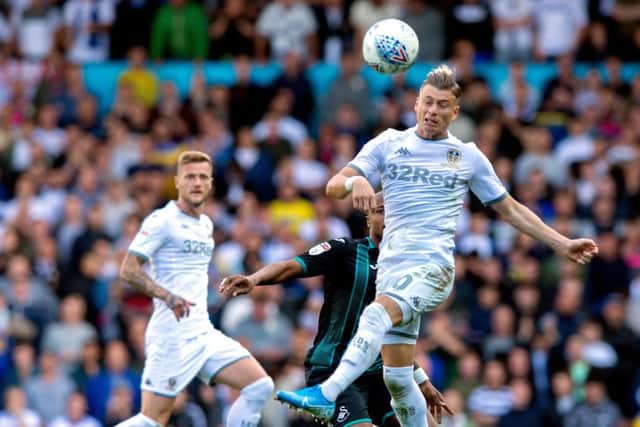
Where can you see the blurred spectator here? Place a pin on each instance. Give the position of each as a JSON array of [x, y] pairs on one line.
[[364, 13], [513, 26], [290, 208], [264, 331], [608, 273], [286, 26], [595, 45], [89, 365], [469, 370], [429, 24], [278, 121], [335, 32], [455, 401], [65, 339], [493, 398], [524, 412], [186, 412], [350, 88], [502, 336], [76, 414], [325, 226], [558, 27], [48, 392], [23, 366], [28, 298], [37, 25], [142, 81], [114, 394], [470, 20], [231, 32], [179, 31], [131, 26], [247, 100], [293, 79], [16, 412], [87, 25], [597, 410], [309, 175], [563, 399]]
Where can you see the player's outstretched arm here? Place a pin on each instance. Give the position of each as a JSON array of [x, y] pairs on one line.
[[580, 251], [349, 181], [271, 274], [131, 272]]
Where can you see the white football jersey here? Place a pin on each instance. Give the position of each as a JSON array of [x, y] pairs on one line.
[[178, 248], [425, 183]]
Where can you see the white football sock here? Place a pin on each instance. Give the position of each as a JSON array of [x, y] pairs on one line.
[[361, 352], [245, 411], [407, 400], [138, 420]]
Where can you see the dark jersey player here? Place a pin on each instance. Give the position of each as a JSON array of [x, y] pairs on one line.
[[349, 266]]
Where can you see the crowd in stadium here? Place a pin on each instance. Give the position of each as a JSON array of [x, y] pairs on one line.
[[524, 340]]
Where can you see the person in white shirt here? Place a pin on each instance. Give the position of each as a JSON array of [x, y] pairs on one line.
[[426, 173], [88, 23], [16, 413], [180, 342], [76, 415]]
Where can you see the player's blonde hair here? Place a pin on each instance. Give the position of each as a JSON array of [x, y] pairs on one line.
[[193, 157], [444, 78]]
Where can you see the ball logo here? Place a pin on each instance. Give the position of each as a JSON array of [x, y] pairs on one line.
[[392, 50]]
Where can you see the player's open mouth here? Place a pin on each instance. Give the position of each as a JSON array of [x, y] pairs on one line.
[[431, 123]]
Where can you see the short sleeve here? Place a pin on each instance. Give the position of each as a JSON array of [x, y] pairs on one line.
[[322, 258], [370, 160], [484, 182], [150, 237]]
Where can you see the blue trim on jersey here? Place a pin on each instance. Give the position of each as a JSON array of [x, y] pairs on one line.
[[361, 420], [215, 374], [302, 264], [497, 199], [371, 244], [402, 334], [357, 169], [164, 395], [139, 255], [387, 416]]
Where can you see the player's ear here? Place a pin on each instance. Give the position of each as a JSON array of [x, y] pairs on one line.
[[176, 180], [456, 110]]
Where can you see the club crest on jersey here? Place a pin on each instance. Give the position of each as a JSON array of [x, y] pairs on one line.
[[320, 248], [453, 157]]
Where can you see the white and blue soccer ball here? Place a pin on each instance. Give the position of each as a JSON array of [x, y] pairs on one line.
[[390, 46]]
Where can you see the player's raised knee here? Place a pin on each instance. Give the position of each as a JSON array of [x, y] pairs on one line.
[[261, 389]]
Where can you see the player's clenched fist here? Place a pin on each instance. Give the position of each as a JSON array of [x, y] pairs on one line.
[[580, 251], [235, 285], [363, 194]]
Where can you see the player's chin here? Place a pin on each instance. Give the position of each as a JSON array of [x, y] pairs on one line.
[[197, 198]]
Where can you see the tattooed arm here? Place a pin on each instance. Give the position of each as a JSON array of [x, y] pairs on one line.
[[131, 271]]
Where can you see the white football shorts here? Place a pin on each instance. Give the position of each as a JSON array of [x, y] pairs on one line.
[[171, 363], [420, 286]]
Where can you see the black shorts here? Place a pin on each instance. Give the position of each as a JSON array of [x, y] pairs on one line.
[[366, 400]]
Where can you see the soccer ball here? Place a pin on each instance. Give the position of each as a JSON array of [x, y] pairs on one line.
[[390, 46]]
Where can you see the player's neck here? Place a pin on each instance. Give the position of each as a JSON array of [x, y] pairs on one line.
[[375, 239], [432, 136], [189, 209]]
